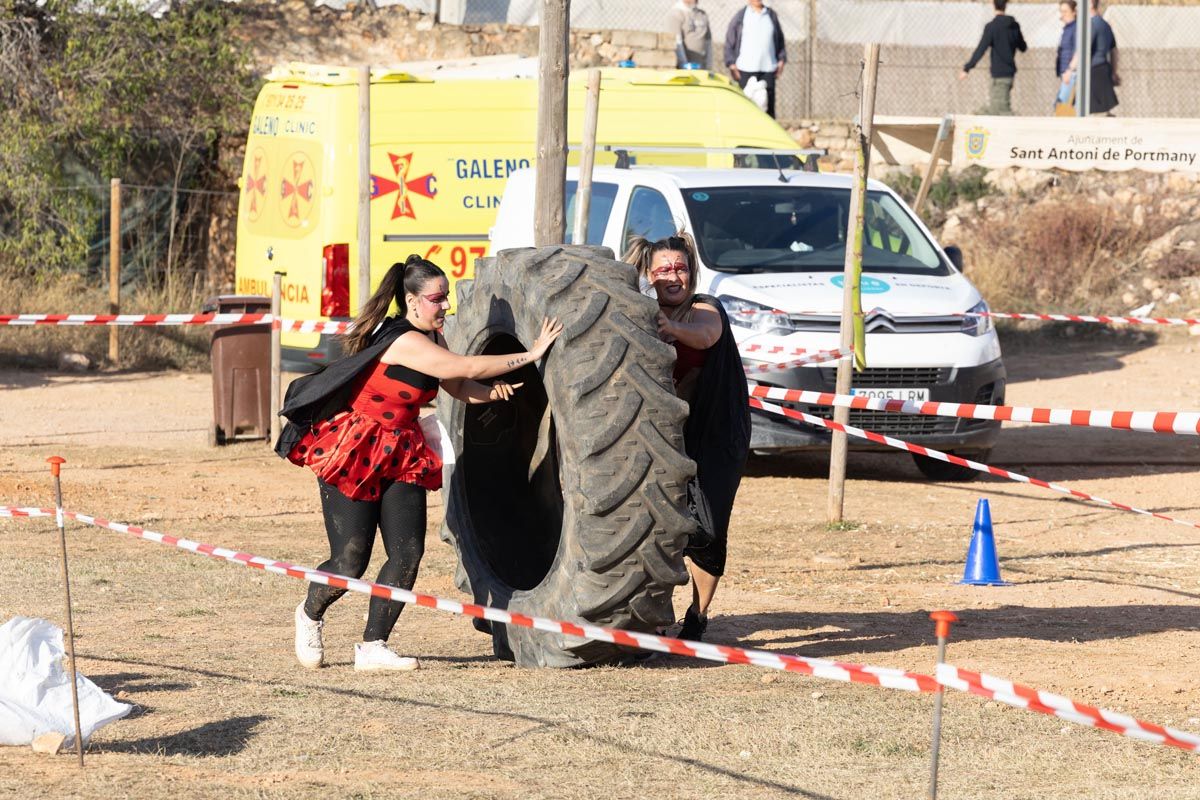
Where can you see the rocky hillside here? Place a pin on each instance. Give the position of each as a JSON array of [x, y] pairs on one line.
[[1092, 242]]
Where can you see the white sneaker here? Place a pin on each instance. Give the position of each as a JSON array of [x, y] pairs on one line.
[[369, 656], [310, 651]]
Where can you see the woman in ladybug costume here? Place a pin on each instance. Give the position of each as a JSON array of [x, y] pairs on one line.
[[354, 424]]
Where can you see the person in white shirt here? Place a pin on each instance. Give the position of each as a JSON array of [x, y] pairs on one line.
[[693, 37], [754, 48]]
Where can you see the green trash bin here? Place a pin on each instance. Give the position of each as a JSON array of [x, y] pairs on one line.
[[241, 371]]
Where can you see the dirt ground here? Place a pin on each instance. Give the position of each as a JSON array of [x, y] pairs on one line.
[[1102, 608]]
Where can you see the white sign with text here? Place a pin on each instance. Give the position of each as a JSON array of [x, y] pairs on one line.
[[1078, 144]]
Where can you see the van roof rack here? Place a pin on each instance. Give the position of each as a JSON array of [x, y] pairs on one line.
[[622, 152]]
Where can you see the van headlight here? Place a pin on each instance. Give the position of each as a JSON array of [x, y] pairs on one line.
[[756, 316], [977, 326]]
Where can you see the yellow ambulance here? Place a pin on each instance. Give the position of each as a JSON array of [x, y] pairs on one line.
[[440, 153]]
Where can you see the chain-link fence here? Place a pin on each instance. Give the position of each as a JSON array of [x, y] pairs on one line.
[[178, 241], [925, 45]]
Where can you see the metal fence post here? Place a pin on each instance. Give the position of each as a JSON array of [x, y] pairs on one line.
[[56, 463], [943, 620]]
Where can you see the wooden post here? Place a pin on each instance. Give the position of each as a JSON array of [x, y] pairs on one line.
[[114, 264], [549, 215], [943, 133], [276, 359], [852, 272], [587, 158], [364, 184]]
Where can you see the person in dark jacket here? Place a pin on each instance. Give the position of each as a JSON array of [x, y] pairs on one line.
[[1064, 58], [754, 48], [709, 376], [1003, 36], [355, 424]]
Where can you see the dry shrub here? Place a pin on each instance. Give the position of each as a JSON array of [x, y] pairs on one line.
[[39, 347], [1054, 256]]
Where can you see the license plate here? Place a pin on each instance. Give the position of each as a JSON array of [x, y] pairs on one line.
[[908, 394]]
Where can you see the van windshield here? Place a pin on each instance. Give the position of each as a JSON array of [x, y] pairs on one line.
[[744, 229]]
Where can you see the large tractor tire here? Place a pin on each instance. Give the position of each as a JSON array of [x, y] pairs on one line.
[[568, 501]]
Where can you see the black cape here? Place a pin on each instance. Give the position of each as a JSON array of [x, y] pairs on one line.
[[321, 394], [717, 433]]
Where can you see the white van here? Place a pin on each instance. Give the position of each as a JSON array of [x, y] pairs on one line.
[[773, 241]]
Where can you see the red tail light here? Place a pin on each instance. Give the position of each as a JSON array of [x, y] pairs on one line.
[[335, 284]]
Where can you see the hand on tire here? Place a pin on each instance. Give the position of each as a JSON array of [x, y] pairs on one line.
[[551, 328], [664, 327], [504, 391]]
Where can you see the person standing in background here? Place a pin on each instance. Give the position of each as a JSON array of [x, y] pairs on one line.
[[1104, 64], [1063, 64], [693, 36], [1003, 36], [754, 48]]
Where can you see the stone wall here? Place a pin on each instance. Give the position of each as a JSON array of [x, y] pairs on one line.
[[830, 134], [297, 31]]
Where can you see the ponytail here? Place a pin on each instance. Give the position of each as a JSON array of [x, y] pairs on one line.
[[639, 253], [400, 279]]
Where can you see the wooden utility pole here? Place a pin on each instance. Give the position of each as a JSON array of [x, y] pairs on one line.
[[852, 275], [364, 184], [114, 264], [549, 214], [587, 158]]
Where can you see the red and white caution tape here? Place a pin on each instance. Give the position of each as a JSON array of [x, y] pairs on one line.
[[772, 349], [1181, 422], [314, 326], [1100, 319], [819, 668], [150, 320], [157, 320], [879, 438], [25, 511], [818, 357], [1014, 694]]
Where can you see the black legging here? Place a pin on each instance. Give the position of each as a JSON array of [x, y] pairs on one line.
[[350, 524]]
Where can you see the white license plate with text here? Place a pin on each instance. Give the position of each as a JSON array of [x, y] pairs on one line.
[[909, 394]]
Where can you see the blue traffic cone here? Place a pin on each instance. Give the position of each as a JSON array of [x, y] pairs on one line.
[[983, 568]]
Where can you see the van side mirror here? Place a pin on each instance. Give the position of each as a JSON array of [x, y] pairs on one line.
[[954, 253]]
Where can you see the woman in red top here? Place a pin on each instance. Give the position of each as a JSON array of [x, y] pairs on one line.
[[355, 425], [709, 376]]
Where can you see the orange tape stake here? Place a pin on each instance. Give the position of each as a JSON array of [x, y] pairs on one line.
[[942, 622], [56, 463]]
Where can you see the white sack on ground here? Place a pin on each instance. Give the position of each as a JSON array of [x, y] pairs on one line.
[[35, 687]]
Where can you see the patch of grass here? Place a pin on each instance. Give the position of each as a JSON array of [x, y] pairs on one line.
[[844, 525], [195, 612], [283, 691]]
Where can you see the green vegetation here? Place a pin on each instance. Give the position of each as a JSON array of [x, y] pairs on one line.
[[104, 90], [99, 91], [948, 189]]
